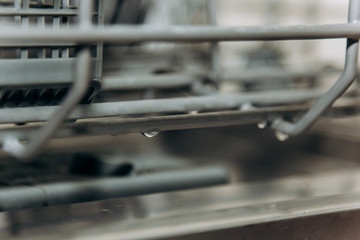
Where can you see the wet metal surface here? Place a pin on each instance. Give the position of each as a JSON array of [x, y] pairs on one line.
[[295, 208]]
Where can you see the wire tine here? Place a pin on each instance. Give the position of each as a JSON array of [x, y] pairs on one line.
[[56, 25], [85, 13]]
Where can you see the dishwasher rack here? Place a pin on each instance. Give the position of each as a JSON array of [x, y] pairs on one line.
[[287, 112], [40, 74]]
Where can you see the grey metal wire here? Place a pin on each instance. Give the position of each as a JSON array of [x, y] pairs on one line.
[[161, 106], [344, 82], [121, 34], [214, 46]]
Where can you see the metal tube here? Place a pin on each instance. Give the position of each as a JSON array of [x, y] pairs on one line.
[[120, 34], [344, 82], [147, 81], [37, 12], [90, 190], [85, 13], [214, 46], [266, 74], [174, 80], [117, 126], [56, 24], [173, 105], [24, 53]]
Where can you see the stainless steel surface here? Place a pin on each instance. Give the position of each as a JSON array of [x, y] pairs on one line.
[[284, 202], [84, 190]]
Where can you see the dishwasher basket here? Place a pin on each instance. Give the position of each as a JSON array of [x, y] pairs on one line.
[[40, 74], [46, 47]]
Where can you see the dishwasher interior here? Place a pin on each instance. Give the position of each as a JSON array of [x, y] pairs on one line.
[[179, 119]]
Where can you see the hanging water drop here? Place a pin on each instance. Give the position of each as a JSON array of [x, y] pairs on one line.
[[150, 134], [282, 137], [193, 112], [247, 107], [262, 125]]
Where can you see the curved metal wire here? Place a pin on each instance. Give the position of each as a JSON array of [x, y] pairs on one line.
[[344, 82], [78, 90]]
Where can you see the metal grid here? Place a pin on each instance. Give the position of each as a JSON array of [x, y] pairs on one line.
[[180, 113], [41, 74]]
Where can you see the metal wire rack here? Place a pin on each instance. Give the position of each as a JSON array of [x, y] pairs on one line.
[[40, 74], [288, 112]]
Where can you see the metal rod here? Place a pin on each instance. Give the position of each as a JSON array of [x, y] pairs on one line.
[[24, 53], [344, 82], [56, 25], [266, 74], [174, 105], [85, 13], [37, 12], [119, 34], [174, 80], [90, 190], [147, 81], [115, 126], [65, 6], [214, 46], [41, 24]]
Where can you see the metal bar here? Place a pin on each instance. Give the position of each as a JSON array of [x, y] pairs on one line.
[[37, 12], [34, 72], [35, 44], [264, 74], [85, 13], [24, 53], [17, 7], [41, 24], [174, 80], [147, 81], [344, 82], [65, 6], [120, 34], [214, 46], [98, 189], [56, 25], [111, 126], [99, 45], [174, 105]]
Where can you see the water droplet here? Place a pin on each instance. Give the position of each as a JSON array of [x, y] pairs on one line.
[[12, 145], [150, 134], [247, 107], [282, 137], [262, 125]]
